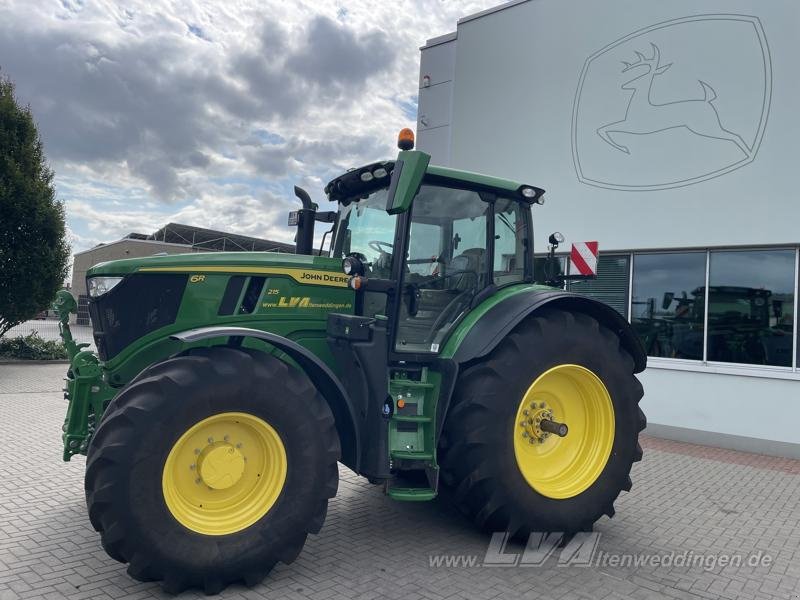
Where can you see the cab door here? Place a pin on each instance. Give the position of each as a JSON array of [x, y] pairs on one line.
[[447, 263]]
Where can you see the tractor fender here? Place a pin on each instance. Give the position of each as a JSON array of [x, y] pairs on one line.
[[501, 318], [318, 372]]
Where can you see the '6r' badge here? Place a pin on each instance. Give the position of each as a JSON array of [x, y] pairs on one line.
[[673, 104], [197, 278]]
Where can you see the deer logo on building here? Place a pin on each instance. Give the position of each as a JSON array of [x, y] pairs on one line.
[[689, 102], [645, 116]]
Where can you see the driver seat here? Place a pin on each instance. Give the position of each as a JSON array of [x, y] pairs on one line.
[[472, 260]]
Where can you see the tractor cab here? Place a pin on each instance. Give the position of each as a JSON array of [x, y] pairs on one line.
[[422, 244]]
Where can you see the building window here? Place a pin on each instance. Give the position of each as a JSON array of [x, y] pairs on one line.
[[751, 307], [667, 305], [611, 285]]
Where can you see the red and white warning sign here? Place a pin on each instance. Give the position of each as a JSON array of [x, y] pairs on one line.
[[583, 258]]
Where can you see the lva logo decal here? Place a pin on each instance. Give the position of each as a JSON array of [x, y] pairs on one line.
[[673, 104]]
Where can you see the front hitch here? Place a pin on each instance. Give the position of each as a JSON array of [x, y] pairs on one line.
[[85, 390]]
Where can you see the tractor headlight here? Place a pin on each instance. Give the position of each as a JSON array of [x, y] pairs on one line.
[[98, 286]]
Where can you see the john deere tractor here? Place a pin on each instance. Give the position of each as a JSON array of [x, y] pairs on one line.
[[417, 350]]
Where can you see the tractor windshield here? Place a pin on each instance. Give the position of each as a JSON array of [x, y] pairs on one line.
[[366, 230]]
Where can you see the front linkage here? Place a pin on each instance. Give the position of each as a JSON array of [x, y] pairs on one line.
[[85, 390]]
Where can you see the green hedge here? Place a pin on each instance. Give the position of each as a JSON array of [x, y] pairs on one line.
[[31, 347]]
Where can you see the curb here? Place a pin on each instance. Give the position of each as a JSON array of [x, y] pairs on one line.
[[30, 362]]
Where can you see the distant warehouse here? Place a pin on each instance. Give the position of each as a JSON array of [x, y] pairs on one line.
[[173, 238], [667, 131]]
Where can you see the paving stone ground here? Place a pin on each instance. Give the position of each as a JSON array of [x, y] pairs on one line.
[[687, 501]]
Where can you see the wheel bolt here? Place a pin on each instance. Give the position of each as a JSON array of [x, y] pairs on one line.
[[226, 438], [531, 441], [192, 467], [542, 405], [197, 450], [211, 440], [239, 445], [198, 481], [541, 440], [525, 412], [524, 434], [522, 423]]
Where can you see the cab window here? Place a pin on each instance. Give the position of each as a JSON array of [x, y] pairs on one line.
[[510, 242], [446, 264]]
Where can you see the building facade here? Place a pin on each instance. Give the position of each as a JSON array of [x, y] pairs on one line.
[[667, 132]]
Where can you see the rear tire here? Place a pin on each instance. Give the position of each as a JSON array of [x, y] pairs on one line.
[[479, 459], [135, 464]]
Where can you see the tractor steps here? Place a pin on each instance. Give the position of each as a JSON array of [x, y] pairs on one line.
[[412, 419], [411, 494], [412, 436], [411, 455]]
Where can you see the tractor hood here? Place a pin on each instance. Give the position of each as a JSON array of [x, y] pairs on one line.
[[211, 262]]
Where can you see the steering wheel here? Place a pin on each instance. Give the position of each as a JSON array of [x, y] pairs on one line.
[[378, 245]]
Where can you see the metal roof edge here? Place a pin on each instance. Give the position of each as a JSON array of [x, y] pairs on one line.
[[441, 39], [489, 11], [450, 37], [127, 239]]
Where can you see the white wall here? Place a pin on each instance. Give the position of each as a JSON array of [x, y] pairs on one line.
[[754, 407], [514, 114]]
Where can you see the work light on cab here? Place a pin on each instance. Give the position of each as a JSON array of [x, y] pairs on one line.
[[351, 265]]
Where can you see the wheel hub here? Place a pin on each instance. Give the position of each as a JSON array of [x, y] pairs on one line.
[[221, 466], [530, 427]]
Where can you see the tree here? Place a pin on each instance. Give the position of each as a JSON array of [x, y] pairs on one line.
[[33, 246]]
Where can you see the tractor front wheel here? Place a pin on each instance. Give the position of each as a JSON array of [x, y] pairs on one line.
[[211, 467], [544, 431]]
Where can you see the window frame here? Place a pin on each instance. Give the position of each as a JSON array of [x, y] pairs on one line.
[[727, 368], [705, 253]]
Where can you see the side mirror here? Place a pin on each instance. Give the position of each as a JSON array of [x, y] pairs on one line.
[[667, 300]]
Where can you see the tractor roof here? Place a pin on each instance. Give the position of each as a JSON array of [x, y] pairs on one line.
[[353, 184]]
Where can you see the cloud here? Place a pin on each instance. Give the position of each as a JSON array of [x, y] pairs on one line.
[[334, 55], [208, 111]]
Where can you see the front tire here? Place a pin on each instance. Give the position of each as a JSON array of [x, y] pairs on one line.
[[211, 467], [502, 469]]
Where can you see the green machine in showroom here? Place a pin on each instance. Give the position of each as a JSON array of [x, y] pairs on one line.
[[418, 351]]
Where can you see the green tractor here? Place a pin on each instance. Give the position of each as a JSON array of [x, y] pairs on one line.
[[418, 351]]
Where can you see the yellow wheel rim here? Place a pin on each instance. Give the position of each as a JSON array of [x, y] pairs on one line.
[[563, 467], [224, 473]]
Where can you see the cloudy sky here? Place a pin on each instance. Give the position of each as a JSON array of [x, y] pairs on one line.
[[206, 113]]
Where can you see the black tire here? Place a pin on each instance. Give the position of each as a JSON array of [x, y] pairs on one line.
[[127, 454], [478, 464]]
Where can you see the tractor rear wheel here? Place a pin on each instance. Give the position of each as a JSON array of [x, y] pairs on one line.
[[211, 467], [504, 460]]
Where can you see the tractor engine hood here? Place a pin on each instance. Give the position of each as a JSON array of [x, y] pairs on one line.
[[210, 261]]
